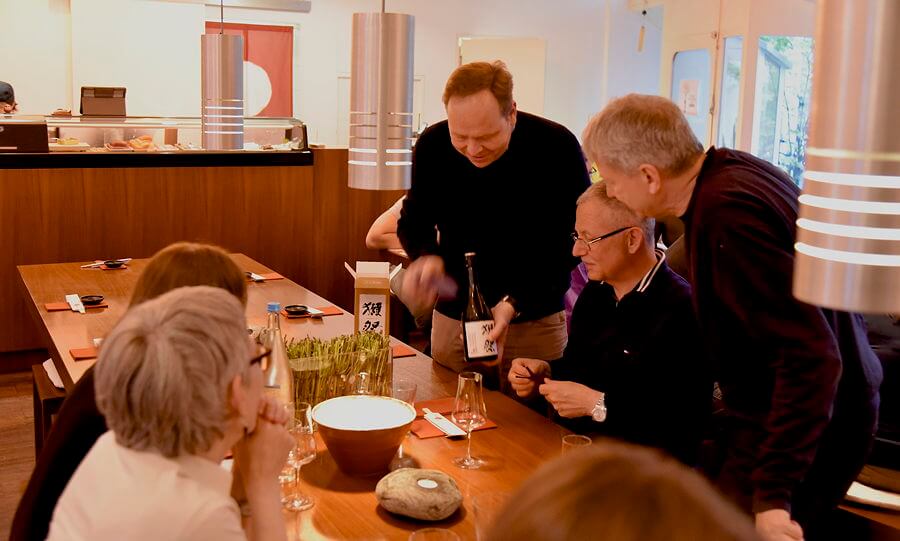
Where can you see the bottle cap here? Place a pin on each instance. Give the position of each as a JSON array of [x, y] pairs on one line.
[[273, 307], [470, 254]]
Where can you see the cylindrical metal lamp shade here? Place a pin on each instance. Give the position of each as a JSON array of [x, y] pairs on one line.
[[381, 90], [222, 86], [848, 231]]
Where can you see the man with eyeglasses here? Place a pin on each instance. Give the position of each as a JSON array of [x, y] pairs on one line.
[[634, 367], [799, 383]]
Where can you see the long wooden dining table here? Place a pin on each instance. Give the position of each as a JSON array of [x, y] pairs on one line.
[[346, 507]]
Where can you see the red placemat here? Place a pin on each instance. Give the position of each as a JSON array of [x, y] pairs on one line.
[[424, 430], [402, 350], [81, 354], [59, 306], [266, 277], [326, 311]]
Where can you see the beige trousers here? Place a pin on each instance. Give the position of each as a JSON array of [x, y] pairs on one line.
[[543, 338]]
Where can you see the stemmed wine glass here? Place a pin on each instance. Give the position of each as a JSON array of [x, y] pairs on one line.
[[304, 453], [469, 413]]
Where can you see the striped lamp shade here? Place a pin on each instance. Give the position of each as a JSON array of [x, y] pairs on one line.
[[848, 231], [381, 101]]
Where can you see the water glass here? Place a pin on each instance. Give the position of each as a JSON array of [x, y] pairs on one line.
[[573, 442], [304, 452], [405, 390]]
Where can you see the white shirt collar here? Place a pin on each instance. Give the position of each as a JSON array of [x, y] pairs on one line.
[[645, 281]]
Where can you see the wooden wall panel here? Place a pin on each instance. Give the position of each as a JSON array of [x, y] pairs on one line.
[[302, 221], [59, 215], [342, 219]]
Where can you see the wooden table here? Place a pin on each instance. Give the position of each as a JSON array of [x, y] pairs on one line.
[[346, 507]]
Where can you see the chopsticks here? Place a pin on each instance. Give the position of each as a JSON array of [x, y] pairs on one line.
[[532, 376], [101, 263]]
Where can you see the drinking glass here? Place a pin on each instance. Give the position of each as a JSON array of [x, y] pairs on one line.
[[469, 413], [405, 390], [573, 442], [304, 452], [433, 534]]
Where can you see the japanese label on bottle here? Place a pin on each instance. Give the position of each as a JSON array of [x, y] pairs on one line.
[[477, 342], [372, 313]]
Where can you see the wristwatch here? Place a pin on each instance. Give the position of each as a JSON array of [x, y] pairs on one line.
[[598, 414], [512, 302]]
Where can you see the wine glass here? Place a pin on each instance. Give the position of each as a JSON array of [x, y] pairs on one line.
[[469, 413], [304, 452]]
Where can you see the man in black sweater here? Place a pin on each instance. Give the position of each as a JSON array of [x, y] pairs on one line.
[[634, 368], [799, 383], [503, 184]]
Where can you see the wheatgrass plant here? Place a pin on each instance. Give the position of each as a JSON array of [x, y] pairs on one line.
[[324, 369]]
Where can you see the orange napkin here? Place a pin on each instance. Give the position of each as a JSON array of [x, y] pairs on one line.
[[441, 405], [81, 354], [402, 350], [327, 311], [268, 276], [424, 430], [59, 306]]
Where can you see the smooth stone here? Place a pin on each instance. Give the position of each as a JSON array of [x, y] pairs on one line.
[[420, 494]]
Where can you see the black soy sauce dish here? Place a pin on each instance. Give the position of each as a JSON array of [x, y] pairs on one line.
[[112, 264], [296, 309], [91, 300]]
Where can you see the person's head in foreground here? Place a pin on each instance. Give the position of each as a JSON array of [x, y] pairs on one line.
[[189, 264], [647, 154], [174, 376], [615, 491]]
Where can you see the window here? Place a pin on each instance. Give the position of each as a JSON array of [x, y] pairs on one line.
[[781, 108], [730, 93], [690, 89]]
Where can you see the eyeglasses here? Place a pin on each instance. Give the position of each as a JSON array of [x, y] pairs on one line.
[[258, 359], [587, 243]]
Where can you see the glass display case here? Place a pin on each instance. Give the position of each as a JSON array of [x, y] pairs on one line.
[[162, 134]]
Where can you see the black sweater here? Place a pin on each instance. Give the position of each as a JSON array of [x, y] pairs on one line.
[[645, 353], [780, 363], [517, 214]]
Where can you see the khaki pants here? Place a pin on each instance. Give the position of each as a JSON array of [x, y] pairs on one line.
[[543, 338]]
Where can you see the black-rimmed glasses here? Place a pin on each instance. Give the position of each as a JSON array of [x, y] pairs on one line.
[[587, 243]]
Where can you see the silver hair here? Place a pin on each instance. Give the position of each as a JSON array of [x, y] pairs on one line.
[[641, 129], [162, 379], [621, 214]]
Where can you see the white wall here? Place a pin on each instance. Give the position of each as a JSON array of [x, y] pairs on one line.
[[631, 70], [35, 55], [152, 47]]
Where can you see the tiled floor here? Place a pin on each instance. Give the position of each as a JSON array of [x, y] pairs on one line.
[[16, 443]]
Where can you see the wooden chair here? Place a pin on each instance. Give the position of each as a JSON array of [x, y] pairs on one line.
[[47, 401]]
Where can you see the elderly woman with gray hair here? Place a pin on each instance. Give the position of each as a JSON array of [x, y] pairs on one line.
[[179, 384]]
